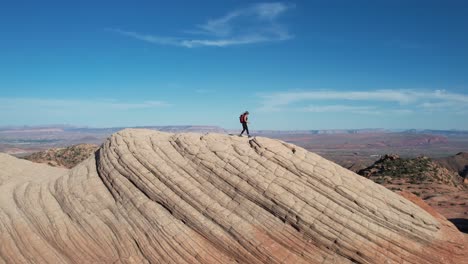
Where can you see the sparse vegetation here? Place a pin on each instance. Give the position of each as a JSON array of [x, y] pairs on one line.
[[63, 157], [414, 171]]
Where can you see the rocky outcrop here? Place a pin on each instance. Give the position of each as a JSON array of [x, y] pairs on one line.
[[416, 171], [153, 197], [67, 157], [439, 187], [458, 163]]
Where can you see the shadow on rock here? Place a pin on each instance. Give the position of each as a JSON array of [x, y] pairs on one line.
[[461, 224]]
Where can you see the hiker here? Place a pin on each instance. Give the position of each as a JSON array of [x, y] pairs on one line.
[[244, 120]]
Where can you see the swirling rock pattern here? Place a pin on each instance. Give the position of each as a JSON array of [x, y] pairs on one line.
[[154, 197]]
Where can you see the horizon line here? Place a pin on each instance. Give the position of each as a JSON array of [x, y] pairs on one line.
[[220, 127]]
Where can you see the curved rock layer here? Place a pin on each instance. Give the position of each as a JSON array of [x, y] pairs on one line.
[[153, 197]]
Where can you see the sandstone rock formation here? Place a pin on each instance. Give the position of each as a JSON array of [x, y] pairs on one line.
[[154, 197]]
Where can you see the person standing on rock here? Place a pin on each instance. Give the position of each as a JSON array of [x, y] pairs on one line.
[[244, 119]]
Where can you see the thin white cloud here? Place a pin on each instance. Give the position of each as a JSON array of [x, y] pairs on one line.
[[225, 25], [147, 38], [336, 108], [270, 11], [97, 112], [254, 24], [74, 104], [437, 105], [224, 42], [364, 110], [420, 100]]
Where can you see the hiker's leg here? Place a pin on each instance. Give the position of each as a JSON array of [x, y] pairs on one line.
[[244, 127], [247, 129]]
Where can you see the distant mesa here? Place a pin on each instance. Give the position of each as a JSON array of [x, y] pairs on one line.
[[156, 197], [61, 128], [172, 129]]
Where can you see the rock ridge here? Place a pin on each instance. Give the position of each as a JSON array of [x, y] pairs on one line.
[[155, 197]]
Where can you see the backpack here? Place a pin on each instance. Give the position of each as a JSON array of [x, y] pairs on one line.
[[241, 118]]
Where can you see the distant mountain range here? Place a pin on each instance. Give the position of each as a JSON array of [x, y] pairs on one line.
[[438, 132], [345, 146], [217, 129]]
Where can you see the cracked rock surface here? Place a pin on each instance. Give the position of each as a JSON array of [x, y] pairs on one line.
[[154, 197]]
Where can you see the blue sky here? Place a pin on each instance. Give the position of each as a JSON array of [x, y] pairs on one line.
[[293, 65]]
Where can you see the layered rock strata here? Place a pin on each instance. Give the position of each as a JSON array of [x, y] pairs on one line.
[[154, 197]]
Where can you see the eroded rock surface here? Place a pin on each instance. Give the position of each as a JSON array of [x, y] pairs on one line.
[[154, 197]]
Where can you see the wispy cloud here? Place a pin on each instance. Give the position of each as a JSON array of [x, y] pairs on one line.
[[98, 112], [147, 38], [401, 101], [76, 105], [336, 108], [253, 24], [352, 109]]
